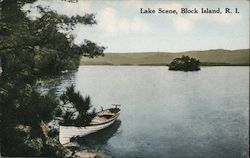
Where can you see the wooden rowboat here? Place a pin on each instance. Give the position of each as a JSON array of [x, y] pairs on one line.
[[102, 120]]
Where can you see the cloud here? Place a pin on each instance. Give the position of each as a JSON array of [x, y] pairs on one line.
[[183, 24], [61, 7], [124, 24], [139, 25], [186, 22], [219, 18], [112, 22], [180, 23], [80, 8], [108, 19], [132, 3], [172, 6], [225, 18]]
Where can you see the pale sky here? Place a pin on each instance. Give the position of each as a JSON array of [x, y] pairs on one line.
[[122, 28]]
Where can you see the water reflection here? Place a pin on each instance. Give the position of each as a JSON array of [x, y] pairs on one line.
[[57, 84], [170, 114], [101, 137]]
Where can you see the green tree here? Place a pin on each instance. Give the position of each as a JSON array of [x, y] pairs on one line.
[[32, 50], [185, 63], [79, 105]]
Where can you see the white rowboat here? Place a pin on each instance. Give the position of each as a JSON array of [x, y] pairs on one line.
[[102, 120]]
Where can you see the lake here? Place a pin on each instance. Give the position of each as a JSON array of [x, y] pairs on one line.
[[169, 113]]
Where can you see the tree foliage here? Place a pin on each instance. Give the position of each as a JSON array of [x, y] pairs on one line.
[[80, 106], [185, 63], [31, 50]]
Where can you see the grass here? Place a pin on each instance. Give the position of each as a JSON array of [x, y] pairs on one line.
[[218, 57]]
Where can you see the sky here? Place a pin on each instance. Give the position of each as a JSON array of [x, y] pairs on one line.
[[122, 28]]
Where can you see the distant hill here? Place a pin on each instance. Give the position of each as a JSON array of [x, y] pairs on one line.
[[207, 58]]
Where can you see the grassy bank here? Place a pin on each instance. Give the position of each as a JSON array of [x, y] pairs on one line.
[[207, 58]]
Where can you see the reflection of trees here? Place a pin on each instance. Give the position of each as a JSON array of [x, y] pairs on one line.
[[185, 63], [101, 137], [57, 84]]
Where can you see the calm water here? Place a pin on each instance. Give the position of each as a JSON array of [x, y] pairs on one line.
[[168, 113]]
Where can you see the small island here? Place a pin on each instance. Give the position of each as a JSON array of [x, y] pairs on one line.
[[185, 63]]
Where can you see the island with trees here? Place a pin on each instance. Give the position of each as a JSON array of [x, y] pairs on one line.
[[185, 63]]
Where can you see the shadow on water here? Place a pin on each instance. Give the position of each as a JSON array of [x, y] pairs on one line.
[[57, 84], [99, 138]]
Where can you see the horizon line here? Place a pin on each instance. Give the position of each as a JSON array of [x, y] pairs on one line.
[[179, 51]]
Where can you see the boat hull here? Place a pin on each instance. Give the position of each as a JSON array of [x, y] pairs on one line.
[[68, 132]]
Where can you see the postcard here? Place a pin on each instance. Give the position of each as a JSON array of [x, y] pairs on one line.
[[124, 79]]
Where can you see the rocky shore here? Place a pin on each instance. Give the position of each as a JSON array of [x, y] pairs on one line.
[[74, 151]]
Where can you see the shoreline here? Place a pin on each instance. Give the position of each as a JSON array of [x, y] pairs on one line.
[[73, 149], [206, 58], [155, 65]]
